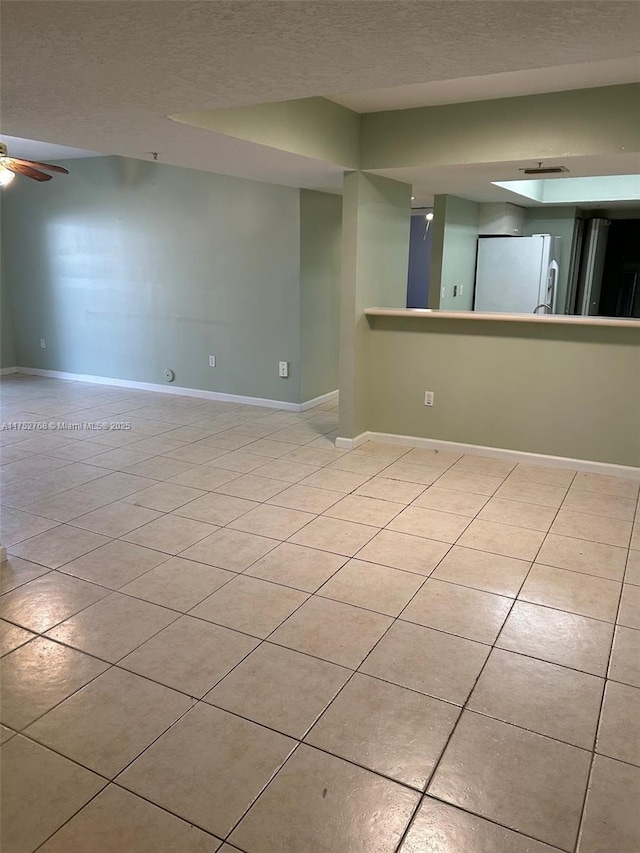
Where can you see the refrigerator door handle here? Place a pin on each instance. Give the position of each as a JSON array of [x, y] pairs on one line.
[[552, 282]]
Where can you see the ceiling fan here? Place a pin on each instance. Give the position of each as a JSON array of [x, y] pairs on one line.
[[10, 166]]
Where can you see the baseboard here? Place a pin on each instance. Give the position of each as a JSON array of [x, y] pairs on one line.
[[611, 469], [318, 401], [4, 371], [173, 389]]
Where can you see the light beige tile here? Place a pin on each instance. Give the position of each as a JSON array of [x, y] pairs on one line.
[[119, 459], [16, 572], [482, 772], [458, 610], [337, 481], [16, 525], [214, 508], [604, 485], [32, 807], [531, 516], [116, 519], [115, 564], [472, 464], [12, 637], [5, 734], [240, 461], [34, 467], [113, 627], [625, 656], [274, 521], [47, 600], [230, 549], [532, 493], [572, 591], [247, 604], [359, 463], [610, 531], [365, 510], [440, 526], [321, 797], [557, 637], [116, 485], [164, 497], [285, 470], [58, 546], [629, 614], [305, 498], [611, 811], [480, 570], [76, 474], [438, 826], [170, 534], [432, 458], [196, 454], [117, 820], [190, 655], [280, 688], [383, 449], [177, 583], [372, 586], [332, 631], [128, 712], [541, 697], [158, 468], [410, 472], [632, 574], [462, 481], [276, 449], [296, 566], [428, 661], [205, 477], [402, 551], [386, 728], [504, 539], [252, 487], [579, 555], [37, 676], [619, 732], [385, 489], [539, 474], [608, 506], [448, 500], [208, 768], [635, 535], [64, 506], [332, 534]]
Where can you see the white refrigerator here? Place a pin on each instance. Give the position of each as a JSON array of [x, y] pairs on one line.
[[517, 274]]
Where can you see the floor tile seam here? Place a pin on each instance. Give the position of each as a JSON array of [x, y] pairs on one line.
[[77, 812], [583, 809], [626, 565], [549, 565]]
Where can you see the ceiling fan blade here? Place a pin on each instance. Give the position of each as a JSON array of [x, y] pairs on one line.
[[34, 164], [26, 170]]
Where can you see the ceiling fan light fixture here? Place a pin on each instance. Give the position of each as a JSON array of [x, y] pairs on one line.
[[5, 176]]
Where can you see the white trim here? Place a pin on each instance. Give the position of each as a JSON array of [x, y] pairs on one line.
[[318, 401], [4, 371], [609, 468], [173, 389]]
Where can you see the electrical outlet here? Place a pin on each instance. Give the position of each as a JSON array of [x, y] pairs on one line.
[[455, 289], [43, 343], [429, 397], [283, 369], [212, 361]]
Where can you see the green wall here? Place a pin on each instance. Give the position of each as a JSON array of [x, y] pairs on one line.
[[561, 390], [128, 267], [456, 256], [375, 260], [559, 222], [320, 236]]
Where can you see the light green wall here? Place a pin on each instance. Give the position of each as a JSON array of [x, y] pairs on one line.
[[558, 124], [375, 258], [311, 127], [320, 236], [559, 222], [561, 390], [458, 253], [128, 267]]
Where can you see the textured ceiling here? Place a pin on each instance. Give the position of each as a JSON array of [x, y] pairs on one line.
[[104, 76]]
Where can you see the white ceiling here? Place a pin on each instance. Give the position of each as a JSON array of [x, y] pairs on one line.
[[104, 76]]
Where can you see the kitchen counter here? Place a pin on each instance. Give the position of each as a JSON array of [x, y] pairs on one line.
[[479, 316]]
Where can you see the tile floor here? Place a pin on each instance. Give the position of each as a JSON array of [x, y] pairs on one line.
[[221, 633]]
